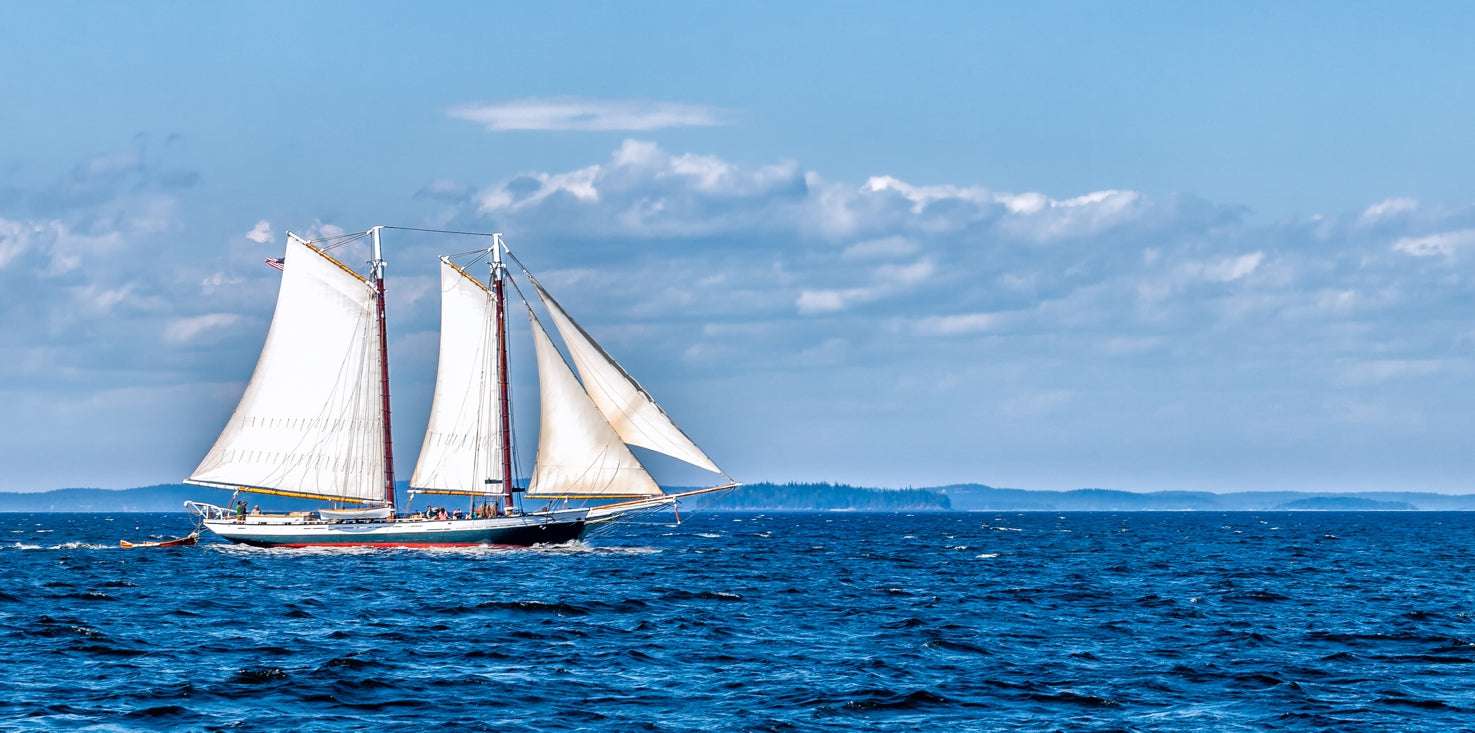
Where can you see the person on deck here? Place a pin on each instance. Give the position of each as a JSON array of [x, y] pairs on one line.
[[241, 511]]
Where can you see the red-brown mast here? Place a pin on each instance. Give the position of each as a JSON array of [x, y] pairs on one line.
[[378, 270], [498, 269]]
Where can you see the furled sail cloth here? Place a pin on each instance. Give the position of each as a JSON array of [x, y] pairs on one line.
[[630, 410], [579, 454], [310, 421], [463, 446]]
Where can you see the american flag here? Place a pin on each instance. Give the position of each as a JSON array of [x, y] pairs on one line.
[[277, 262]]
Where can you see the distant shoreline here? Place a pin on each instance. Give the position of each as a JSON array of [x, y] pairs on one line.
[[824, 497]]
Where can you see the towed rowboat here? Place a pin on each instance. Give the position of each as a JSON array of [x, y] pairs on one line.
[[188, 539]]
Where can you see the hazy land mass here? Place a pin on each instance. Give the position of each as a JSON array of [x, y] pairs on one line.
[[822, 497]]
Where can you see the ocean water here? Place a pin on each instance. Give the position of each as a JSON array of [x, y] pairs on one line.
[[785, 622]]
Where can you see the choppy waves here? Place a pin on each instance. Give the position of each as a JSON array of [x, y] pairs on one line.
[[983, 621]]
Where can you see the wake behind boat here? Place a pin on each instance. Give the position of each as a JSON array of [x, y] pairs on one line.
[[314, 421]]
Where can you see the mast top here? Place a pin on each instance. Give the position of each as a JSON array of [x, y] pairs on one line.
[[497, 267], [377, 264]]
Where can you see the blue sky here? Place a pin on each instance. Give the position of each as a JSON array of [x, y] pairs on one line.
[[1143, 246]]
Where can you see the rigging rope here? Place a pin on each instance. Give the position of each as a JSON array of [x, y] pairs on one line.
[[441, 231], [338, 240]]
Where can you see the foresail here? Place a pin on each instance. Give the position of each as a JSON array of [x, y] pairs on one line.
[[310, 421], [579, 454], [628, 408], [462, 445]]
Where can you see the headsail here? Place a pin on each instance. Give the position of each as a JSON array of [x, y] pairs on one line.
[[462, 448], [579, 454], [310, 421], [628, 408]]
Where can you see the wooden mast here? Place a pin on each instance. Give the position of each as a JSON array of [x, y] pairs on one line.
[[498, 271], [378, 269]]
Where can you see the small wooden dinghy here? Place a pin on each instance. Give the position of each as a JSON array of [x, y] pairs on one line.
[[188, 539]]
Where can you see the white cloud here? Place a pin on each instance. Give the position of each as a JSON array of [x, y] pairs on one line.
[[1443, 243], [1337, 301], [1233, 268], [957, 325], [101, 299], [887, 280], [319, 230], [213, 282], [95, 276], [881, 247], [1076, 217], [919, 197], [186, 330], [576, 113], [829, 301], [107, 165], [444, 188], [1033, 216], [101, 235], [1377, 371], [912, 274], [1388, 208], [14, 239], [826, 353], [261, 233], [68, 249], [643, 191]]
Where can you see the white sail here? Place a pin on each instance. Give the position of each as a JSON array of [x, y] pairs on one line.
[[310, 421], [628, 408], [579, 454], [462, 447]]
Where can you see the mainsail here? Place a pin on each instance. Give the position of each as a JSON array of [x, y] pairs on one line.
[[627, 407], [579, 454], [310, 421], [462, 448]]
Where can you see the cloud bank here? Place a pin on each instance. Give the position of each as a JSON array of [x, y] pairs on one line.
[[788, 319], [1179, 316], [576, 113]]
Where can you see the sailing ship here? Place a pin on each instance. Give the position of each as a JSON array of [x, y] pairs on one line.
[[314, 421]]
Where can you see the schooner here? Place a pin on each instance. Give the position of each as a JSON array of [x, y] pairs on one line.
[[314, 421]]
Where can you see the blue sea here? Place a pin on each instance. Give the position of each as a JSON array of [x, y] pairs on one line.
[[987, 621]]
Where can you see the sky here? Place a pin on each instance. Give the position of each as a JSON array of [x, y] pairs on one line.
[[1141, 246]]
